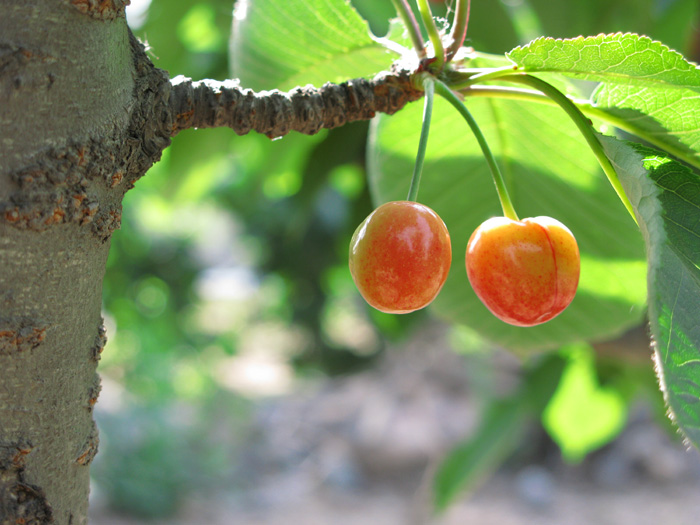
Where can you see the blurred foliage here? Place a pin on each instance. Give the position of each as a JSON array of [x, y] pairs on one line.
[[582, 415], [503, 425], [232, 246], [152, 456]]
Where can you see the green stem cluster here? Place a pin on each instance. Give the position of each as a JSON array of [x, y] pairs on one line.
[[433, 34], [457, 35], [468, 83]]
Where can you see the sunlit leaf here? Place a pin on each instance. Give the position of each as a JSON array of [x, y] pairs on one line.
[[280, 44], [620, 58], [647, 88], [669, 117], [666, 198], [581, 415]]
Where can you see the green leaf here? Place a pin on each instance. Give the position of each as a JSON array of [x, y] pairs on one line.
[[376, 13], [620, 58], [467, 464], [666, 198], [669, 118], [549, 170], [647, 89], [582, 416], [499, 433], [287, 43]]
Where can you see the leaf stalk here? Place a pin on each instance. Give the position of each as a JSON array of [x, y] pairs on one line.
[[459, 28], [433, 34], [589, 110], [585, 127], [412, 27]]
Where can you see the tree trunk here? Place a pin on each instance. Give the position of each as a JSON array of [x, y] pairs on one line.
[[66, 95], [83, 114]]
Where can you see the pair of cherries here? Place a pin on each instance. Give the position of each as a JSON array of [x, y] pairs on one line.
[[525, 272]]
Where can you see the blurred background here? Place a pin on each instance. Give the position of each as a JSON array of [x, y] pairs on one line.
[[245, 381]]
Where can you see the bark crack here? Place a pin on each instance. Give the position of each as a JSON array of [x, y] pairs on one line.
[[101, 9], [16, 339], [99, 344], [89, 449], [84, 181], [20, 502]]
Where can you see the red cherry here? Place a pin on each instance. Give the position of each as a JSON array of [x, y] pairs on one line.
[[400, 257], [525, 272]]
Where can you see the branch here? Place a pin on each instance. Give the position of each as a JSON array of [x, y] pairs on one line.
[[209, 104]]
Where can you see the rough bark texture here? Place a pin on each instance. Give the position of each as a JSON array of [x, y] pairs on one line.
[[83, 115], [208, 104], [73, 111]]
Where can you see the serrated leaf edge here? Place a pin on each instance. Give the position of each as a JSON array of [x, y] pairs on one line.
[[605, 37], [602, 38]]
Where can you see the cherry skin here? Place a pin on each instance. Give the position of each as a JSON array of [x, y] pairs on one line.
[[525, 272], [400, 257]]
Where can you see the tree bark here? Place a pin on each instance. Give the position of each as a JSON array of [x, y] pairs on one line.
[[67, 85], [307, 110], [83, 115]]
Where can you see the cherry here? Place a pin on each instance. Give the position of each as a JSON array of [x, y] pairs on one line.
[[525, 272], [400, 257]]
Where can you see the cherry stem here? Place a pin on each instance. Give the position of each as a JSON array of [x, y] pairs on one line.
[[433, 34], [587, 108], [459, 28], [507, 205], [585, 127], [429, 87], [412, 27]]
